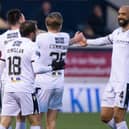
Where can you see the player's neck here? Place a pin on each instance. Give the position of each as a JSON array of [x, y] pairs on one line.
[[125, 28], [14, 27], [53, 31]]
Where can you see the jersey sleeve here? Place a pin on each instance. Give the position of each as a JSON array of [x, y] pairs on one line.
[[40, 40], [40, 69], [33, 52], [37, 67], [2, 52], [107, 40], [2, 59], [2, 65]]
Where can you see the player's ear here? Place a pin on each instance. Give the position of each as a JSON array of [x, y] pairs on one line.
[[60, 28], [32, 36], [22, 19], [47, 27]]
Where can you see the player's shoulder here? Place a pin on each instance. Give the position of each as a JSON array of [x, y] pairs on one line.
[[10, 31], [3, 35], [117, 30], [23, 41], [3, 38], [49, 35], [59, 34], [64, 34], [40, 35], [1, 42], [26, 41], [39, 31], [10, 34], [30, 43]]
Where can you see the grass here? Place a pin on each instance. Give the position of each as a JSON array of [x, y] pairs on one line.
[[81, 121]]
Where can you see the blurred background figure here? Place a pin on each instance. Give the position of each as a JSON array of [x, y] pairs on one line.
[[3, 23], [96, 21], [87, 69], [46, 8], [88, 31]]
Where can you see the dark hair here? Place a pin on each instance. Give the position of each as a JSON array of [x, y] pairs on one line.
[[13, 16], [27, 27], [54, 20]]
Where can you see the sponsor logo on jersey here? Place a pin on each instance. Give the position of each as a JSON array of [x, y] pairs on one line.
[[15, 79], [12, 35]]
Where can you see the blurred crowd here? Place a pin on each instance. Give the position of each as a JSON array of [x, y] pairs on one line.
[[95, 25], [92, 26]]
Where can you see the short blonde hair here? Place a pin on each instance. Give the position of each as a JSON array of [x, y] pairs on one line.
[[54, 20]]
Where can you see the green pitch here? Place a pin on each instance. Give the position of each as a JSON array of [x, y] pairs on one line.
[[81, 121]]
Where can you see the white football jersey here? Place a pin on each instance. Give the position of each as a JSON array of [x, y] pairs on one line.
[[6, 37], [51, 46], [18, 57], [9, 35], [120, 54]]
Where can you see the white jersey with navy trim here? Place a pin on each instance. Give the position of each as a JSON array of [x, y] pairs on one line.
[[51, 46], [120, 54], [9, 35], [5, 38], [18, 57]]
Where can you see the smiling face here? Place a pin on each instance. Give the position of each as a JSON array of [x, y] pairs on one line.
[[123, 16]]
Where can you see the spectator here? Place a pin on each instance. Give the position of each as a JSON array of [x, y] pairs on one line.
[[46, 8], [88, 31], [97, 21], [3, 23]]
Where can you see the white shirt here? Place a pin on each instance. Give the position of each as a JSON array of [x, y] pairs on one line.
[[5, 38], [51, 46], [120, 54], [10, 35], [18, 57]]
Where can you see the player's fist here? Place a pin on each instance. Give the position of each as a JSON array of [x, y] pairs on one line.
[[83, 41], [79, 38]]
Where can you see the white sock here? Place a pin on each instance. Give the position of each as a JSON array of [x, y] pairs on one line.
[[10, 127], [2, 127], [122, 125], [112, 124], [20, 125], [34, 127]]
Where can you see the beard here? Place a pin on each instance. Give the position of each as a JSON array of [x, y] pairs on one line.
[[123, 22]]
